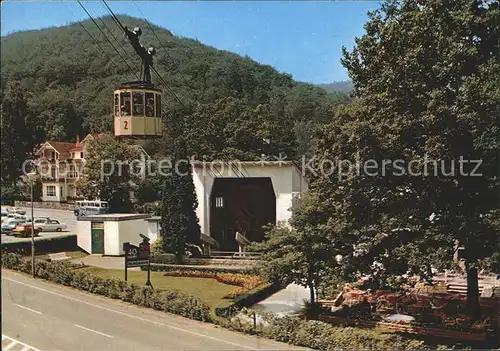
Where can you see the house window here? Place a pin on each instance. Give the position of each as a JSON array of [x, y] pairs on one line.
[[219, 202], [51, 190], [81, 154], [72, 172], [52, 155], [53, 171]]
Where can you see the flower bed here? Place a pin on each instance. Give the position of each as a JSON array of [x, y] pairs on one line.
[[244, 282]]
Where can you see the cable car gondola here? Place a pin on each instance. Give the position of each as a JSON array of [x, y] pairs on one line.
[[137, 105]]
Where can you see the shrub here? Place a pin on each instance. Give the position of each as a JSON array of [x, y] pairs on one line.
[[47, 245], [10, 260], [318, 335], [163, 258], [157, 267]]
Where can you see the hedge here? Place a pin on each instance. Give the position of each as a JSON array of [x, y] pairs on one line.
[[163, 258], [43, 246], [318, 335], [68, 274], [156, 267]]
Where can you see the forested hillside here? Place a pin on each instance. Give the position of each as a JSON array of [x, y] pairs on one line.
[[345, 86], [229, 103]]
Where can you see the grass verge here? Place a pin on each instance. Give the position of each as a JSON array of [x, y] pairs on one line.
[[207, 290]]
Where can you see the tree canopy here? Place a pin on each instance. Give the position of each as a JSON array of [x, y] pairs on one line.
[[109, 173], [389, 185]]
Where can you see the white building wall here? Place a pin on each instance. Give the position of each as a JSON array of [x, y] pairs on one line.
[[123, 231], [54, 198], [286, 180], [111, 238], [84, 236]]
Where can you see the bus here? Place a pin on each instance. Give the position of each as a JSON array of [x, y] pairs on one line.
[[90, 207]]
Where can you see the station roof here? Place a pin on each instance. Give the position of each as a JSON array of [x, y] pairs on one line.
[[113, 217], [245, 163]]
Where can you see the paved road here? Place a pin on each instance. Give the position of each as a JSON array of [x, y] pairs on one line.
[[66, 217], [52, 317], [11, 344]]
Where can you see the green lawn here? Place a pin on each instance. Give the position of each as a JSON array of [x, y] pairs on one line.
[[208, 290]]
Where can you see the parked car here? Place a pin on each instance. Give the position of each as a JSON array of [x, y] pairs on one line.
[[9, 216], [16, 210], [20, 217], [49, 225], [24, 229], [9, 225]]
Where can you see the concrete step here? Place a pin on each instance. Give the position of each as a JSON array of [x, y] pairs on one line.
[[461, 288]]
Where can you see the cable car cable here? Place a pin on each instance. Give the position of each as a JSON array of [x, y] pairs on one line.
[[109, 41], [112, 35], [100, 47], [96, 42], [176, 66], [167, 87], [117, 21]]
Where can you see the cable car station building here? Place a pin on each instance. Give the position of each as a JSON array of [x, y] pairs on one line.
[[232, 197], [243, 197]]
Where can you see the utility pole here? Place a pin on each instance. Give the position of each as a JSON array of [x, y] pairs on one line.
[[32, 232]]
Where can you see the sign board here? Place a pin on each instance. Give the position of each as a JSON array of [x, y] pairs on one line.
[[242, 240], [138, 256], [131, 251], [144, 250], [139, 263], [209, 240]]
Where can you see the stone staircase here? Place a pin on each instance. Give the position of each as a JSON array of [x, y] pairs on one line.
[[458, 283]]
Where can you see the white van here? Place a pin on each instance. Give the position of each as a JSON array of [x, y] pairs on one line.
[[90, 207]]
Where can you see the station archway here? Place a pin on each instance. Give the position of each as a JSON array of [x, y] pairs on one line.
[[241, 204]]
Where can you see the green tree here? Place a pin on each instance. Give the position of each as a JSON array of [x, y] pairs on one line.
[[423, 95], [107, 174], [16, 142], [179, 223], [300, 254]]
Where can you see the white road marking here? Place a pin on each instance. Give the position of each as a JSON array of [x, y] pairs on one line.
[[132, 316], [15, 342], [29, 309], [94, 331], [11, 345]]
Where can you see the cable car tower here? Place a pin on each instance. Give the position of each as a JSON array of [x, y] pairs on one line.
[[138, 104]]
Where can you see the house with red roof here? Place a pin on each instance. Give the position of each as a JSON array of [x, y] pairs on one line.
[[61, 164]]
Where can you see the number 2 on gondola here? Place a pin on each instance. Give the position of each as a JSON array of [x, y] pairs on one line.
[[126, 125]]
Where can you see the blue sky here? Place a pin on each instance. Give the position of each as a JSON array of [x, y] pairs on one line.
[[303, 38]]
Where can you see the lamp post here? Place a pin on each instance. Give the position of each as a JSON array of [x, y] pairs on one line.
[[32, 177]]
